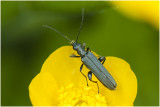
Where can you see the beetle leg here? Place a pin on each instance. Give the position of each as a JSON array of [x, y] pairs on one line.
[[75, 56], [88, 49], [102, 59], [83, 74], [90, 78]]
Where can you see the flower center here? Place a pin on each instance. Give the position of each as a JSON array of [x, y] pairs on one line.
[[80, 96]]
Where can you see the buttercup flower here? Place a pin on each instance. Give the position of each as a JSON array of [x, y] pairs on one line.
[[61, 83], [144, 10]]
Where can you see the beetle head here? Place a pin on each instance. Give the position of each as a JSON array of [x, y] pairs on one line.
[[77, 46]]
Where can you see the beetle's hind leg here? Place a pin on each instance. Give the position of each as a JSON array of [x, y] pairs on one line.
[[83, 74], [102, 59], [90, 78]]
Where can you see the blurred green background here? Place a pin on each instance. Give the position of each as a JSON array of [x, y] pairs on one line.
[[26, 44]]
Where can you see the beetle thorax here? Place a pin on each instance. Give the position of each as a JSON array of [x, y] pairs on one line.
[[78, 47]]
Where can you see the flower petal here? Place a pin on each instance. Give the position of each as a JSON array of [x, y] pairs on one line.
[[43, 90], [64, 68], [126, 90], [145, 10]]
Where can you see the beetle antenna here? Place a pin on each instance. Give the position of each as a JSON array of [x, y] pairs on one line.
[[56, 31], [81, 23]]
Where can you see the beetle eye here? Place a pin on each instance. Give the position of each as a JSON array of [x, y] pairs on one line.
[[75, 47]]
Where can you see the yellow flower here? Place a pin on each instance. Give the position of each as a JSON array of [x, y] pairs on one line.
[[61, 83], [144, 10]]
